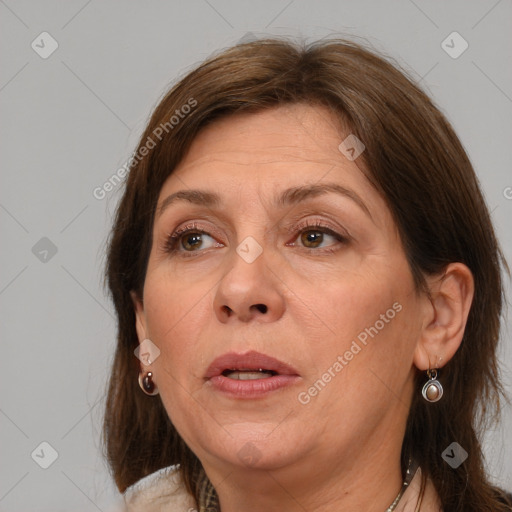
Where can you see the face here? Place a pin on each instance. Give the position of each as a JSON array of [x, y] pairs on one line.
[[279, 296]]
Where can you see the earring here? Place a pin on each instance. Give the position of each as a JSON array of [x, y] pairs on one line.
[[147, 385], [432, 390]]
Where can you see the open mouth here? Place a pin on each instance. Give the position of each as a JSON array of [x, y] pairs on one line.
[[248, 366], [249, 374]]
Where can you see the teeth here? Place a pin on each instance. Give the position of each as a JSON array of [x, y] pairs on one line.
[[248, 375]]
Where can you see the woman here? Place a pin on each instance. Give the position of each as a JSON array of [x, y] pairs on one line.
[[306, 270]]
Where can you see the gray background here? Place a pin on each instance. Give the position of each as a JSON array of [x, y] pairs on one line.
[[69, 121]]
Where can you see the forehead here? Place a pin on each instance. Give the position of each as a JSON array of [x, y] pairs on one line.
[[294, 133], [259, 153], [249, 165]]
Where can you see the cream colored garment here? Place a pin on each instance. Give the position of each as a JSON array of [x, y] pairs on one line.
[[162, 491]]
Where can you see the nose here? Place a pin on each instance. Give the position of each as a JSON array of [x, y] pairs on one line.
[[249, 292]]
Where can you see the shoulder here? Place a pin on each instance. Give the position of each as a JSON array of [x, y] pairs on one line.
[[158, 492]]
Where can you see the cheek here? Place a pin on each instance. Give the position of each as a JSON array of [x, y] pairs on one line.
[[348, 304], [360, 368], [176, 313], [368, 319]]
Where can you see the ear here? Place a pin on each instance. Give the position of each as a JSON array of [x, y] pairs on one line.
[[140, 317], [446, 313]]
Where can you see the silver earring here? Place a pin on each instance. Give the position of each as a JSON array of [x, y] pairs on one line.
[[432, 390], [147, 385]]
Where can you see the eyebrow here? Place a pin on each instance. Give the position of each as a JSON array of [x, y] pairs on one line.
[[288, 197], [292, 196], [199, 197]]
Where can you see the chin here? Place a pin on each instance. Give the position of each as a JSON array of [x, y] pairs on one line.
[[255, 449]]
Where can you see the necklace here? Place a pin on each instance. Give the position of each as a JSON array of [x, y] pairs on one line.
[[409, 475]]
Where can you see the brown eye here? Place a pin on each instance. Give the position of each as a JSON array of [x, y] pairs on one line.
[[312, 238], [191, 241]]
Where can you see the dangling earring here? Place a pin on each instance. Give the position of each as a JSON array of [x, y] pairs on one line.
[[147, 385], [432, 390]]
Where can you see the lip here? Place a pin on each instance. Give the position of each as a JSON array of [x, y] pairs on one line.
[[285, 375]]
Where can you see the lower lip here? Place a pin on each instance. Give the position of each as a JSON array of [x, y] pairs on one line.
[[251, 388]]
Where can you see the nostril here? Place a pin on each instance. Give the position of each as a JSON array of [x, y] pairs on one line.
[[262, 308], [227, 310]]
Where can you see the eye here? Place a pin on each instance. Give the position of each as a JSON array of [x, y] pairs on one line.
[[313, 236], [190, 239]]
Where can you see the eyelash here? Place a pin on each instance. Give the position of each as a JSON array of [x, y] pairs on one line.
[[309, 225], [171, 242]]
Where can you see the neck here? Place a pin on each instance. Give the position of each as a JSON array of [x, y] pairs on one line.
[[420, 496], [370, 481], [273, 495]]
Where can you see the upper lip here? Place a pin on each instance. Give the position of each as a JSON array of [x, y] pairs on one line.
[[248, 361]]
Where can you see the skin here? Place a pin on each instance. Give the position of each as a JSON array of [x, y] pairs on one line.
[[340, 451]]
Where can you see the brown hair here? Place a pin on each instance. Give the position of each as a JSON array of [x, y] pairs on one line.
[[416, 162]]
